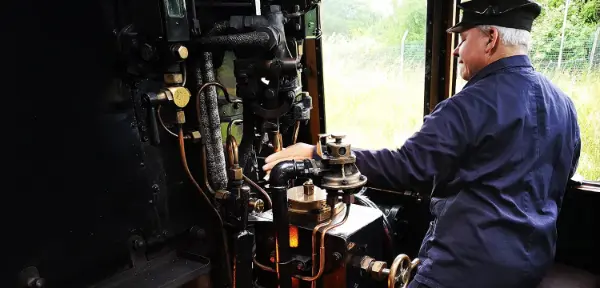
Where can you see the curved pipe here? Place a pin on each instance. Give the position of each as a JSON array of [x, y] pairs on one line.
[[217, 214]]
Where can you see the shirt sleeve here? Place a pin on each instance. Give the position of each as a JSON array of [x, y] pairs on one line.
[[427, 157]]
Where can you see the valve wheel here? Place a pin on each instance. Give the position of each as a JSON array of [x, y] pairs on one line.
[[401, 270]]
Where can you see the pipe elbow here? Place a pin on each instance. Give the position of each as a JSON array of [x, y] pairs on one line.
[[282, 173], [289, 169]]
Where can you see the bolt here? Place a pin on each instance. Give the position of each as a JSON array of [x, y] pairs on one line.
[[139, 243], [270, 94], [38, 283]]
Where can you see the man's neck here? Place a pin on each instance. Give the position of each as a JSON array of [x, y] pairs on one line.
[[504, 52]]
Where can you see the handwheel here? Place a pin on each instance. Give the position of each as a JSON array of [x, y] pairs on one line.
[[401, 270]]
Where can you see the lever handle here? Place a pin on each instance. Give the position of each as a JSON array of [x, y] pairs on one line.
[[151, 121], [153, 125]]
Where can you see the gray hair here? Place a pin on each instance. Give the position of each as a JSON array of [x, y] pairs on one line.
[[511, 36]]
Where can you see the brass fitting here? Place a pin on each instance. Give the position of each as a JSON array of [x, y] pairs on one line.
[[173, 78], [222, 194], [309, 187], [257, 205], [377, 269], [236, 173], [180, 96], [180, 52], [196, 136], [180, 117]]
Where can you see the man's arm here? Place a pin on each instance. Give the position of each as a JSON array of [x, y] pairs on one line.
[[429, 156]]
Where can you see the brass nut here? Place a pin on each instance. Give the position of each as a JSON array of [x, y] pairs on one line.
[[196, 136], [236, 174], [365, 263], [377, 270], [222, 194], [173, 78], [180, 96], [182, 52], [180, 117]]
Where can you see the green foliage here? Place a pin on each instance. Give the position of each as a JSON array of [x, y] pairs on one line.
[[582, 21]]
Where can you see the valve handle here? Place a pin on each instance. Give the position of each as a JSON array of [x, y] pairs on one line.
[[401, 270]]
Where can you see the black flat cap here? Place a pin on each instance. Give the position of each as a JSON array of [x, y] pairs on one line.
[[518, 14]]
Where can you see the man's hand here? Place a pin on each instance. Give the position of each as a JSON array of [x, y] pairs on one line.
[[298, 151]]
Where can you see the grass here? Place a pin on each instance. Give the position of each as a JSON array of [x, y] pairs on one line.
[[378, 104]]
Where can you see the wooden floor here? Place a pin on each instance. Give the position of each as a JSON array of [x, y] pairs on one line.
[[562, 276]]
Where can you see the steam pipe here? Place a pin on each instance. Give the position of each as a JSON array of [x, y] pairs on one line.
[[211, 126], [256, 38], [281, 174], [218, 28]]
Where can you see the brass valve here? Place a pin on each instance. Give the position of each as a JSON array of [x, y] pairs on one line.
[[398, 273], [257, 205], [341, 171]]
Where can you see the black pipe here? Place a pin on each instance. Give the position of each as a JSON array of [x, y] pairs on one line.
[[279, 179], [218, 28], [282, 234], [256, 39], [211, 125]]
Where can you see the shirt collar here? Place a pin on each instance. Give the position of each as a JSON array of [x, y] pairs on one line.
[[507, 62]]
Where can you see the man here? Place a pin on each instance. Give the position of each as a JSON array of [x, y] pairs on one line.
[[496, 158]]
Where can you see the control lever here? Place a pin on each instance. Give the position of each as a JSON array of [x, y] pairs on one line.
[[152, 121]]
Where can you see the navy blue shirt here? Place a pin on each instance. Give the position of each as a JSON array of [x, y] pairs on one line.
[[496, 157]]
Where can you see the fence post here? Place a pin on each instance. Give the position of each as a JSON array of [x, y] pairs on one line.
[[593, 52], [562, 38], [402, 52]]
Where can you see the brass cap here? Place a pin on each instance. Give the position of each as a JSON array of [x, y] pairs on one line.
[[180, 96]]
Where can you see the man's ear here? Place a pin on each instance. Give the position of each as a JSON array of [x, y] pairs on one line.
[[493, 39]]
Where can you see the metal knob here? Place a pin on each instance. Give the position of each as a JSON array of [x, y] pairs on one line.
[[180, 52], [338, 138], [309, 187]]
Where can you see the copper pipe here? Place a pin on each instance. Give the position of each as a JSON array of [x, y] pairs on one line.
[[193, 180], [162, 123], [262, 266], [227, 97], [322, 248], [296, 129], [184, 73], [232, 152], [232, 146], [260, 189], [276, 141]]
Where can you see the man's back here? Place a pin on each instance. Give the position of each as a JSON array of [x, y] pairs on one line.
[[496, 210]]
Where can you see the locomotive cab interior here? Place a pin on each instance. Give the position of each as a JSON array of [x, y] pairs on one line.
[[142, 127]]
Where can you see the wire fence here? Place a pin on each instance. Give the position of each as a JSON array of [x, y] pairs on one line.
[[576, 57]]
